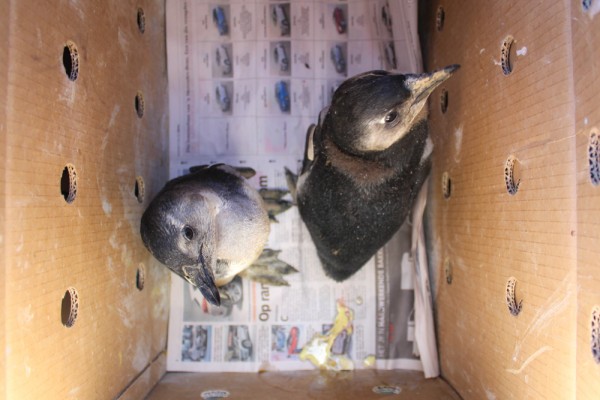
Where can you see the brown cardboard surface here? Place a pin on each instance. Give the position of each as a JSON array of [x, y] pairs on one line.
[[4, 13], [146, 380], [303, 385], [92, 244], [546, 234], [586, 76]]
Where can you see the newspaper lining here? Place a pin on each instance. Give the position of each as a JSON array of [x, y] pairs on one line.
[[228, 65]]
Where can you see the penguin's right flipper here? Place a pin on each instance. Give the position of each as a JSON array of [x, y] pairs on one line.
[[292, 183]]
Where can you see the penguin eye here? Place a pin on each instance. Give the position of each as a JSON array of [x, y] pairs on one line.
[[187, 232], [391, 117]]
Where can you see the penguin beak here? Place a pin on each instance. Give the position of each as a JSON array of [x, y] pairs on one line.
[[202, 276], [421, 86]]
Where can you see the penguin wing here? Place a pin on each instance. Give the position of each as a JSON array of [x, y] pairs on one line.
[[309, 148], [245, 172], [313, 140]]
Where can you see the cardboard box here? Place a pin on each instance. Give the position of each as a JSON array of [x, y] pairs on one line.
[[83, 134]]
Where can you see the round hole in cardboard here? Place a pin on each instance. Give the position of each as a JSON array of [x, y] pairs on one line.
[[141, 20], [139, 104], [448, 270], [507, 55], [595, 333], [440, 17], [140, 277], [69, 307], [514, 307], [71, 60], [68, 183], [446, 185], [444, 101], [512, 175], [139, 189], [594, 156]]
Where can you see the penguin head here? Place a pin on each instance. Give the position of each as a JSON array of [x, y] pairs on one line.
[[179, 229], [372, 111]]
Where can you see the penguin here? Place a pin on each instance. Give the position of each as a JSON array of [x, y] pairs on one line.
[[206, 226], [364, 164]]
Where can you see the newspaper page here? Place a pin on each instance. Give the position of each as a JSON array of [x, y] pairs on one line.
[[246, 79]]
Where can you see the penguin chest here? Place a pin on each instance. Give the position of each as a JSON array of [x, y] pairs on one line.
[[341, 212], [243, 231]]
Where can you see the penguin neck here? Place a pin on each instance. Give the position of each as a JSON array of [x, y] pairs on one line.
[[364, 170], [405, 154]]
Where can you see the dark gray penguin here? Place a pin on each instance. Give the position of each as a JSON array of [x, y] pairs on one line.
[[364, 165], [206, 226]]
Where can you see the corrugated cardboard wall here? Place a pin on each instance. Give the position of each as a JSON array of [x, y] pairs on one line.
[[92, 244], [3, 283], [585, 29], [486, 230]]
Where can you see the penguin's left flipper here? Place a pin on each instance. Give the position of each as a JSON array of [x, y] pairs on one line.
[[268, 269], [309, 157], [244, 172], [423, 171]]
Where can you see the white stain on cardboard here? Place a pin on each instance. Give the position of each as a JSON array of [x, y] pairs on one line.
[[106, 206], [529, 359], [123, 43], [458, 136], [141, 356], [489, 394], [558, 302], [111, 124], [522, 51], [25, 315]]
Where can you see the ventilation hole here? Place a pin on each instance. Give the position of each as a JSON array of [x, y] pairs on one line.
[[68, 183], [141, 20], [448, 270], [511, 175], [511, 300], [507, 55], [446, 185], [440, 18], [444, 101], [595, 334], [594, 157], [71, 60], [139, 104], [139, 190], [69, 307], [140, 277], [586, 5]]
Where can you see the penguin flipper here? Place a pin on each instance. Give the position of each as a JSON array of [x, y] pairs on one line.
[[244, 172], [292, 183], [309, 148]]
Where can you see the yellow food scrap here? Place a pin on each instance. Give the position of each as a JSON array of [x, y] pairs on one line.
[[318, 349], [369, 361]]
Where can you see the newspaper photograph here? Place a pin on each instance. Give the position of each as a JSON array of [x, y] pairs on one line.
[[246, 79]]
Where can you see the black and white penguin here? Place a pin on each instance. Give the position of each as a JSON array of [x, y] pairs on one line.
[[365, 162], [207, 226]]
